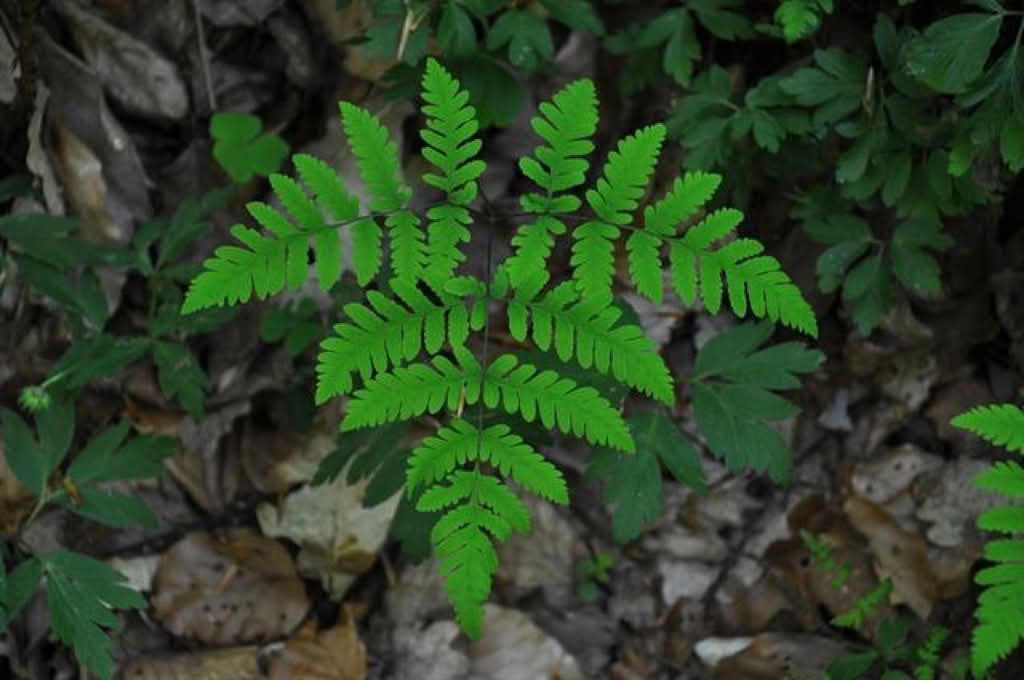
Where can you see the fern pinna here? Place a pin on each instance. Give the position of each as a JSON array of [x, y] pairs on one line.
[[1000, 612], [375, 356]]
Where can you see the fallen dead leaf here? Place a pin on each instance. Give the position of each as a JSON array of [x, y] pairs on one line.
[[514, 648], [241, 589], [234, 663], [333, 654]]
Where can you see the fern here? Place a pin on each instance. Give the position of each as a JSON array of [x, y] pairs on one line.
[[451, 124], [616, 195], [402, 353], [864, 606], [567, 124], [1000, 617]]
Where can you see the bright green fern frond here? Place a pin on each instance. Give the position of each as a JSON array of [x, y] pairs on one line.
[[461, 442], [451, 125], [386, 334], [1000, 618], [377, 156], [338, 205], [581, 411], [1005, 477], [616, 196], [410, 391], [567, 124], [1000, 424], [581, 329], [269, 263], [661, 221], [749, 274], [467, 555]]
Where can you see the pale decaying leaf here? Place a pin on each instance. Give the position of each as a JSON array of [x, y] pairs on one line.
[[430, 653], [685, 579], [333, 654], [237, 590], [208, 475], [885, 477], [514, 648], [418, 594], [37, 160], [339, 537], [546, 557], [138, 571], [233, 663], [770, 656], [950, 502], [900, 554], [81, 173], [138, 77], [277, 460]]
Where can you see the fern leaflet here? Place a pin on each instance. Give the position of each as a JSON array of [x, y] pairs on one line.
[[1000, 618], [272, 262], [387, 334], [451, 124], [410, 391], [377, 156], [626, 175], [567, 124], [1000, 424], [585, 330]]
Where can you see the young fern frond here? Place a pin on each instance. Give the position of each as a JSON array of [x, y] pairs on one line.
[[451, 124], [272, 262], [567, 124], [387, 334], [587, 331], [697, 270], [1000, 626], [377, 156], [617, 194]]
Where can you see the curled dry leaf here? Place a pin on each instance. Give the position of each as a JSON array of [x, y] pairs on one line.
[[429, 654], [242, 589], [514, 648], [234, 663], [339, 537], [546, 558], [900, 554], [333, 654], [950, 502]]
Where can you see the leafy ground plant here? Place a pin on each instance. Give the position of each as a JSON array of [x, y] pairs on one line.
[[470, 468], [81, 591]]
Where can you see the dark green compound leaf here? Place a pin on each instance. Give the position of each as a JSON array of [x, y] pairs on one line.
[[81, 594], [733, 398], [527, 36], [952, 52], [112, 509], [455, 31], [412, 527], [30, 460], [363, 451], [578, 14], [21, 585], [852, 666], [632, 482], [100, 355], [180, 376], [108, 457]]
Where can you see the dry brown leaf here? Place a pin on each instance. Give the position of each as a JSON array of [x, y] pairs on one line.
[[241, 589], [334, 654], [885, 477], [900, 554], [514, 648], [771, 656], [235, 663]]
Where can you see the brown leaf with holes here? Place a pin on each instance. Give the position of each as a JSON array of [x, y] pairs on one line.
[[237, 590], [334, 654], [771, 656], [236, 663]]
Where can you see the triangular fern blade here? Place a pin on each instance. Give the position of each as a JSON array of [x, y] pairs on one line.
[[993, 640], [533, 243], [439, 454], [377, 156], [328, 188], [626, 175], [593, 260], [1005, 550], [567, 123], [233, 273], [516, 459], [493, 493], [292, 241], [448, 227], [681, 203], [1007, 519], [366, 250]]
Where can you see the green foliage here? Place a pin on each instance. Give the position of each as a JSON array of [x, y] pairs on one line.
[[297, 325], [824, 559], [864, 607], [801, 18], [403, 351], [734, 396], [243, 149], [1000, 626], [590, 573], [865, 267], [632, 482], [81, 591]]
